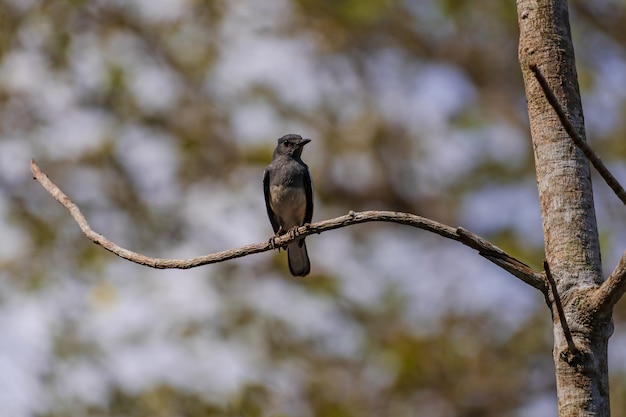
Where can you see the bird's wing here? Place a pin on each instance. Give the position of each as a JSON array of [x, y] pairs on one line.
[[266, 191], [308, 190]]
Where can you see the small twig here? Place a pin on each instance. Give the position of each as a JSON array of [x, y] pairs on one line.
[[559, 308], [576, 138], [486, 249]]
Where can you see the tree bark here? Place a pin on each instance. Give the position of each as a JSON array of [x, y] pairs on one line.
[[565, 192]]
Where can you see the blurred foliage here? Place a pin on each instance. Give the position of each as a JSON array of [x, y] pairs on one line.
[[147, 85]]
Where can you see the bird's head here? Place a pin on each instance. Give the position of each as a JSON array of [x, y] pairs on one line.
[[291, 145]]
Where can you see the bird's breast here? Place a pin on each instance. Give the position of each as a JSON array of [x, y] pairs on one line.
[[289, 204]]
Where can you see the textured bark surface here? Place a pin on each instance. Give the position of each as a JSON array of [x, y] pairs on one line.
[[568, 216]]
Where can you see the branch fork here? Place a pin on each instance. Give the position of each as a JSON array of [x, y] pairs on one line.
[[614, 287]]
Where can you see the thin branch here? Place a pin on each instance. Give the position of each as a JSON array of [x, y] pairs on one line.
[[611, 290], [485, 249], [505, 261], [577, 139], [573, 351]]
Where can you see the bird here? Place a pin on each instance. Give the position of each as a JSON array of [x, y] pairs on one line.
[[288, 193]]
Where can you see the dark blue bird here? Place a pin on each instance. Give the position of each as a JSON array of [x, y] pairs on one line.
[[289, 197]]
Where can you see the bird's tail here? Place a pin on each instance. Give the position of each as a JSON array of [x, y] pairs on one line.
[[298, 257]]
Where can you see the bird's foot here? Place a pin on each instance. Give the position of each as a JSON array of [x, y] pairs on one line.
[[272, 240], [293, 232]]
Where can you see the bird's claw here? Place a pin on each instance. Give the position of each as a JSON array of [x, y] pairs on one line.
[[293, 232], [278, 234]]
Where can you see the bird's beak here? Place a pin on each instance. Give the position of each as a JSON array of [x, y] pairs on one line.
[[304, 142]]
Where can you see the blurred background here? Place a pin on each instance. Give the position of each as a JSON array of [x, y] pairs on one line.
[[157, 117]]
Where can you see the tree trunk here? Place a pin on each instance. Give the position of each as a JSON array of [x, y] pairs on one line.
[[569, 224]]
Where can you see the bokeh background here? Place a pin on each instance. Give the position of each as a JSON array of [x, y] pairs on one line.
[[158, 117]]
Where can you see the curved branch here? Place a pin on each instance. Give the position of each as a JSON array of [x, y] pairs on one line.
[[484, 248], [611, 290]]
